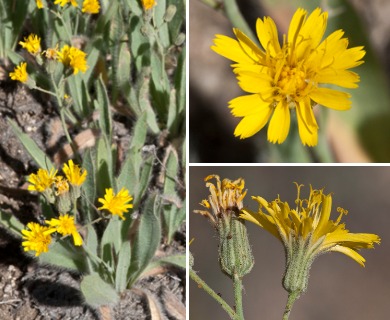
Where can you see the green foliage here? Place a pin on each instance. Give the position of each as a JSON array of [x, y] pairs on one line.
[[105, 295], [11, 223], [173, 210], [32, 148], [136, 71], [144, 245]]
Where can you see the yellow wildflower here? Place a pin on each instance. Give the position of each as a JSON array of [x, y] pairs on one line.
[[148, 4], [32, 44], [74, 174], [285, 77], [65, 2], [73, 57], [91, 6], [37, 239], [41, 180], [306, 232], [116, 204], [39, 4], [65, 225], [310, 220], [20, 73]]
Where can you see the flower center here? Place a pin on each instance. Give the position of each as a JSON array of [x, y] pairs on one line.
[[292, 81]]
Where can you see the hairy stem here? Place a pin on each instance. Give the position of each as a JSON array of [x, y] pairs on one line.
[[292, 297], [237, 283], [203, 285]]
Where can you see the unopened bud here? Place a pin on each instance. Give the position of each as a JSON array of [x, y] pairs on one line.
[[180, 39], [170, 13]]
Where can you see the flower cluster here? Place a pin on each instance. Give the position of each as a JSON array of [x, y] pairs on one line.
[[285, 77], [69, 56], [63, 191], [58, 190], [38, 238], [89, 6]]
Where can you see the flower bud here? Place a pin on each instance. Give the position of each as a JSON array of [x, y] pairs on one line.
[[170, 13]]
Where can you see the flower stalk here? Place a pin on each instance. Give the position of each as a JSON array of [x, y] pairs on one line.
[[203, 285]]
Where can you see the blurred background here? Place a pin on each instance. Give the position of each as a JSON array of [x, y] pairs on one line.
[[361, 134], [339, 288]]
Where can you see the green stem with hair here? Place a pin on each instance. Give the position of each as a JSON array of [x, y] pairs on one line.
[[203, 285], [237, 283], [292, 297]]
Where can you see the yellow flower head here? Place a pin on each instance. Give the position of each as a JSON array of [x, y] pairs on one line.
[[74, 174], [283, 77], [20, 73], [61, 185], [36, 239], [91, 6], [309, 222], [148, 4], [39, 4], [42, 180], [65, 225], [73, 57], [224, 197], [65, 2], [32, 44], [116, 204]]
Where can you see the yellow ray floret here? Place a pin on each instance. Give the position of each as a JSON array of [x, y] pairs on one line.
[[65, 225], [42, 180], [91, 6], [116, 204], [32, 44], [74, 174], [36, 238], [20, 73]]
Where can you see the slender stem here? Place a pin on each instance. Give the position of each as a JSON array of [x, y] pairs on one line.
[[234, 14], [203, 285], [59, 16], [237, 283], [292, 297], [45, 91]]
